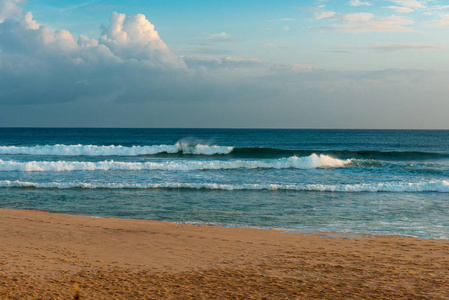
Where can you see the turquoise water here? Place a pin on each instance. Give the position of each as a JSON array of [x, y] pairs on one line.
[[354, 181]]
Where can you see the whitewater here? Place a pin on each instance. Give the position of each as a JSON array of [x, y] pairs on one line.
[[112, 150], [360, 181], [310, 162]]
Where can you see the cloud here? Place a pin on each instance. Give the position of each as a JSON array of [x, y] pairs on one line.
[[227, 63], [359, 3], [9, 9], [269, 45], [26, 36], [208, 44], [126, 38], [367, 22], [209, 39], [410, 3], [201, 51], [401, 9], [135, 37], [291, 68], [275, 46], [219, 35], [214, 36], [358, 22], [129, 61], [129, 77], [319, 12], [444, 21], [399, 47], [437, 7]]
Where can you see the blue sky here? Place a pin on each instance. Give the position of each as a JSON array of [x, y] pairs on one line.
[[299, 64], [278, 31]]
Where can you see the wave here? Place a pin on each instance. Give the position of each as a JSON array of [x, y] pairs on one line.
[[310, 162], [410, 187], [366, 154], [92, 150], [189, 148]]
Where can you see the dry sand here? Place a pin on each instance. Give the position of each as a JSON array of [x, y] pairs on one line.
[[43, 255]]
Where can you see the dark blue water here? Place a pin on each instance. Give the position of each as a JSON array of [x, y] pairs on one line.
[[393, 182]]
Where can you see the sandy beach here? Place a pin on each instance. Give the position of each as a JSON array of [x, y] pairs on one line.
[[47, 256]]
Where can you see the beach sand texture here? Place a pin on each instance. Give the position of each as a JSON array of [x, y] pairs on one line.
[[45, 255]]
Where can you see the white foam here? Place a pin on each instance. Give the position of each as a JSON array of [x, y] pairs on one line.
[[309, 162], [92, 150], [426, 186], [433, 186]]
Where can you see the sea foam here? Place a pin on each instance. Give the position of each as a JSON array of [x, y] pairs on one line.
[[112, 150], [412, 187], [309, 162]]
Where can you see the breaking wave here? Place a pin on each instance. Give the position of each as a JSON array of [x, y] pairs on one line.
[[189, 148], [417, 187], [309, 162], [92, 150]]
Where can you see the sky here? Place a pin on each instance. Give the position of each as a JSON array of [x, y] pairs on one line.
[[225, 64]]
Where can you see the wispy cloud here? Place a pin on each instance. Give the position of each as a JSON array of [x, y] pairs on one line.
[[410, 3], [367, 22], [73, 7], [387, 48], [444, 21], [275, 46], [401, 9], [437, 7], [219, 35], [358, 22], [200, 51], [318, 12], [295, 68], [359, 3], [227, 63]]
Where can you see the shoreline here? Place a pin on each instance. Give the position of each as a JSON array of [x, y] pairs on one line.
[[329, 234], [44, 254]]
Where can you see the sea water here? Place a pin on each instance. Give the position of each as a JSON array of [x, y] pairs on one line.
[[392, 182]]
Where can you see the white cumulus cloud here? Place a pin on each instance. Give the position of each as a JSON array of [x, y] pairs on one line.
[[129, 60], [9, 9], [135, 37]]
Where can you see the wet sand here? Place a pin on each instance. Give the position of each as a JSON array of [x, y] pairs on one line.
[[45, 256]]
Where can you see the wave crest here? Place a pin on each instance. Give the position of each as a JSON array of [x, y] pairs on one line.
[[112, 150], [309, 162], [411, 187]]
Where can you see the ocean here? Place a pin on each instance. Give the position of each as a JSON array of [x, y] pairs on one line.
[[389, 182]]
